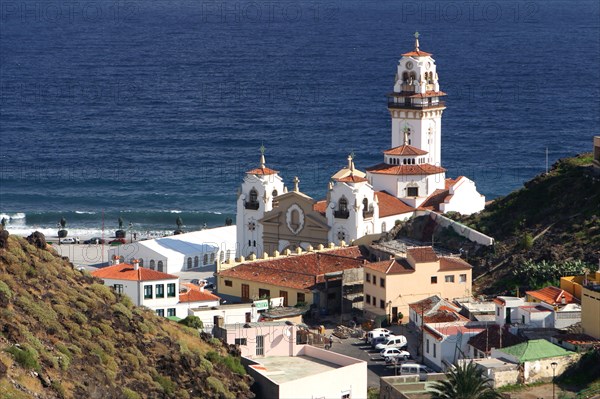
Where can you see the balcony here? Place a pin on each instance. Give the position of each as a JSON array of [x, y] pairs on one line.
[[408, 105], [368, 214], [341, 214], [251, 205]]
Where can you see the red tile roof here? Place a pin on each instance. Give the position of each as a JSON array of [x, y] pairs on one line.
[[320, 206], [390, 205], [552, 296], [195, 295], [124, 271], [391, 266], [422, 169], [351, 179], [422, 254], [262, 171], [439, 333], [577, 339], [450, 263], [300, 271], [439, 196], [405, 150], [491, 338], [417, 53]]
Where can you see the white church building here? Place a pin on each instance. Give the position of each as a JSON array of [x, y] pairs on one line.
[[410, 178]]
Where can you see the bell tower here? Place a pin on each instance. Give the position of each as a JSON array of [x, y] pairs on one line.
[[415, 105]]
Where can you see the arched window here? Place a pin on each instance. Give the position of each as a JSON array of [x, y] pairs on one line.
[[274, 194], [343, 204], [196, 261], [405, 76], [383, 227], [365, 204], [221, 256], [160, 266], [295, 219], [253, 195], [212, 258], [189, 262], [152, 264], [141, 262], [413, 76], [205, 259]]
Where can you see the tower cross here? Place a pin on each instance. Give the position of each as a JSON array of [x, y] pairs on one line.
[[262, 156], [417, 41]]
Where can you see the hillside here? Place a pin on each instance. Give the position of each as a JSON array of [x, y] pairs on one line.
[[550, 226], [63, 334]]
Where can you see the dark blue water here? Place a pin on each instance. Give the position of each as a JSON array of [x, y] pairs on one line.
[[149, 107]]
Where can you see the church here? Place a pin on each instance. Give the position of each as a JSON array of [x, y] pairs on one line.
[[410, 178]]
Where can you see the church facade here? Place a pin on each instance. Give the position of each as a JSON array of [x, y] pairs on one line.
[[409, 178]]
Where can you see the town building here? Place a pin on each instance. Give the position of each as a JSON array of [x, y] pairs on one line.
[[172, 254], [155, 290], [410, 178], [590, 310], [322, 278], [492, 337], [283, 367], [446, 343], [565, 308], [391, 285]]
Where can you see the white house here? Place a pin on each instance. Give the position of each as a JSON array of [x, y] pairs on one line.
[[539, 311], [445, 343], [182, 251], [156, 290]]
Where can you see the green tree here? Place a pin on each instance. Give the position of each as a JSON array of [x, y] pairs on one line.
[[192, 321], [464, 381]]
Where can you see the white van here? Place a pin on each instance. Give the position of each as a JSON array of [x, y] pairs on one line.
[[377, 333], [393, 341], [415, 369]]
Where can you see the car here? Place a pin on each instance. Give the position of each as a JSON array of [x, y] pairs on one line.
[[378, 332], [203, 283], [378, 340], [117, 241], [414, 369], [393, 341], [391, 354], [95, 240], [74, 240]]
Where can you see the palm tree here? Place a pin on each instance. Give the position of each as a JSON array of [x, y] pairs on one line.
[[465, 381]]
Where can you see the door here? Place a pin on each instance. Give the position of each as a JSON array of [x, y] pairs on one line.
[[284, 295], [248, 317], [245, 292], [395, 314], [508, 316], [260, 345]]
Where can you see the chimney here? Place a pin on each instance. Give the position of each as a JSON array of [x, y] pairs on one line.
[[202, 288], [116, 260], [136, 264], [563, 300]]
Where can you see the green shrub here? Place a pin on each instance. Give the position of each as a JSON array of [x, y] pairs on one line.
[[129, 394], [526, 241], [192, 321], [5, 290], [206, 365], [234, 364], [217, 386], [166, 383], [103, 292], [58, 389], [26, 357], [215, 342], [120, 308]]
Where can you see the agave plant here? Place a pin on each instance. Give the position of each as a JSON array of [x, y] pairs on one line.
[[465, 381]]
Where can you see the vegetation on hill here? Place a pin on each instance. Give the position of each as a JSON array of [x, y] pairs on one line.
[[63, 334], [551, 226]]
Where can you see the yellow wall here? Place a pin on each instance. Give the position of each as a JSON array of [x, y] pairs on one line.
[[404, 289], [573, 284], [590, 312], [236, 290]]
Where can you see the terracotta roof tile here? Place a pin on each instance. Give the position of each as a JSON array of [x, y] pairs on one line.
[[577, 339], [300, 271], [262, 171], [449, 263], [390, 205], [320, 206], [422, 254], [124, 271], [417, 53], [351, 179], [490, 338], [391, 266], [422, 169], [552, 296], [433, 202], [195, 295], [405, 150]]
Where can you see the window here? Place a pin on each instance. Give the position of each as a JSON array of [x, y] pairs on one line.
[[295, 220], [262, 293], [300, 297], [160, 266], [434, 350], [160, 312], [205, 259], [221, 256], [228, 283], [147, 292], [212, 258], [343, 205], [245, 292], [284, 295], [346, 396], [383, 227], [382, 304], [118, 288], [368, 299], [427, 345], [253, 195], [497, 311], [412, 191], [374, 280], [374, 301], [241, 341], [196, 261], [152, 264], [368, 277], [462, 278], [522, 319], [160, 290], [189, 263], [170, 290], [260, 345], [433, 279], [331, 296], [170, 312], [274, 194], [381, 282], [449, 279], [141, 262]]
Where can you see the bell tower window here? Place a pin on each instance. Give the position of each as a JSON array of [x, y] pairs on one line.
[[274, 194], [252, 202], [342, 211], [412, 191]]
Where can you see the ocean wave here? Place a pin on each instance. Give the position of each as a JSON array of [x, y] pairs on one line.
[[85, 213], [175, 211], [14, 216]]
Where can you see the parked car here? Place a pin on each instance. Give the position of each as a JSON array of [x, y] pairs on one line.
[[95, 240], [394, 341], [203, 283], [389, 354], [378, 340], [378, 332], [74, 240], [414, 369], [117, 241]]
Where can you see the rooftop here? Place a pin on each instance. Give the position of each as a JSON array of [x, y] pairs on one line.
[[125, 271], [494, 337], [553, 296], [282, 369], [390, 205], [406, 170], [535, 349], [405, 150]]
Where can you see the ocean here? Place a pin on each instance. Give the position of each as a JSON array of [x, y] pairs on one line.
[[153, 109]]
